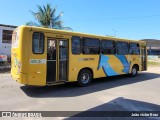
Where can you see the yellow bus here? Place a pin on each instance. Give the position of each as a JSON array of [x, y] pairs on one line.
[[43, 56]]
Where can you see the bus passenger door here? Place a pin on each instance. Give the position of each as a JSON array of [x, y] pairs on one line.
[[63, 59], [143, 58], [51, 60], [57, 52]]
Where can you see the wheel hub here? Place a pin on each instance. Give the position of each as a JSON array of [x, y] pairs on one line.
[[85, 78]]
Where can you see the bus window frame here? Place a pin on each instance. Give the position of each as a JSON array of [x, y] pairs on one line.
[[117, 49], [83, 46], [43, 43], [80, 45], [113, 44], [137, 47]]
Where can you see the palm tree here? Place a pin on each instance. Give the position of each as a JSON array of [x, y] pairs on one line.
[[46, 18]]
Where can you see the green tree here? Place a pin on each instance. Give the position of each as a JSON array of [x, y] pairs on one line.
[[46, 18]]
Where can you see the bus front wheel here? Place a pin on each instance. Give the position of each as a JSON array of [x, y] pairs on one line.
[[134, 71], [84, 78]]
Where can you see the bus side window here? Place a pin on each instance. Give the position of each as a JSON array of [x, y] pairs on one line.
[[38, 43], [107, 47], [76, 45], [134, 49], [90, 46], [122, 48]]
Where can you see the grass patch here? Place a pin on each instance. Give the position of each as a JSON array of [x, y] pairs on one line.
[[153, 63]]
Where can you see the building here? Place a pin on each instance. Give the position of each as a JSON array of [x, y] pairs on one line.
[[153, 46], [5, 39]]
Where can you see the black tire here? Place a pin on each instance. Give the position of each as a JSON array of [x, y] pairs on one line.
[[84, 78], [134, 71]]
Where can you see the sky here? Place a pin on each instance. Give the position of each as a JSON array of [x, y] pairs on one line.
[[130, 19]]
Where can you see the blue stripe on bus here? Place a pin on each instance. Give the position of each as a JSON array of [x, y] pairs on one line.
[[103, 62], [125, 63]]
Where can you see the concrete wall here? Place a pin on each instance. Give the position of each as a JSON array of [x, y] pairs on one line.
[[5, 48], [154, 58]]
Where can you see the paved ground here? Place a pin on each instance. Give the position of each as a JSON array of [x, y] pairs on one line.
[[121, 93]]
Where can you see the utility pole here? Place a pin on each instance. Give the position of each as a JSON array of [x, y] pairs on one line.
[[114, 32]]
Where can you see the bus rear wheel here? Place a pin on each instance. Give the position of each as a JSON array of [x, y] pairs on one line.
[[134, 71], [84, 78]]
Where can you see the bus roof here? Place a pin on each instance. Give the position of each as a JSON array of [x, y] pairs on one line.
[[80, 34]]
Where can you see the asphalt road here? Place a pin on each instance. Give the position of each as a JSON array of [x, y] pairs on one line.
[[120, 93]]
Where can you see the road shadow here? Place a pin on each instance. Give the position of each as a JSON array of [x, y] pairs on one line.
[[121, 108], [71, 89]]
